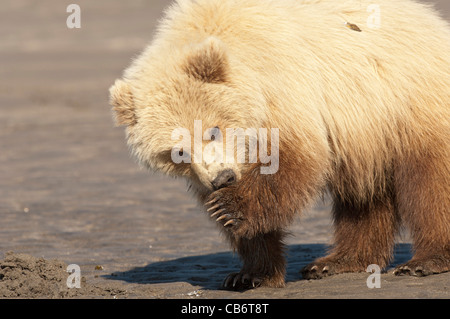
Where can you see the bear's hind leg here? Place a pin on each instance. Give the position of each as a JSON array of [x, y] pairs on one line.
[[364, 235], [423, 200], [263, 262]]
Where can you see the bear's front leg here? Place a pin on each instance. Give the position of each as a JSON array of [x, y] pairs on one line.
[[261, 251], [254, 211], [263, 262]]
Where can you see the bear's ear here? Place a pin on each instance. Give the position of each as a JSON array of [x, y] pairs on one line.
[[121, 99], [208, 62]]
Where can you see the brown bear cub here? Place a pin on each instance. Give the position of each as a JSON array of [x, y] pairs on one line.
[[263, 106]]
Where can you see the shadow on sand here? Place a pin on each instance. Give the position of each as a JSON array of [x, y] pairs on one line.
[[208, 271]]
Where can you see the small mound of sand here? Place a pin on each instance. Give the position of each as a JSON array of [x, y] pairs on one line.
[[25, 276]]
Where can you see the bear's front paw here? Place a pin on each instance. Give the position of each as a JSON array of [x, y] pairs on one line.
[[223, 206], [245, 280], [241, 281]]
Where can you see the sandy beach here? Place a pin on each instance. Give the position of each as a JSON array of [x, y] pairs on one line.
[[72, 195]]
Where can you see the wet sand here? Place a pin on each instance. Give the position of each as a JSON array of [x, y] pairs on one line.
[[71, 194]]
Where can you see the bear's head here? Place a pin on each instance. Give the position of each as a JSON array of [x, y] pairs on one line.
[[186, 110]]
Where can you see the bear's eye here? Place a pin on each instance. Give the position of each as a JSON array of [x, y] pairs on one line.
[[215, 131], [180, 152]]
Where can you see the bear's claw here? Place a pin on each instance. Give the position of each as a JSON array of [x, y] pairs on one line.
[[222, 211], [213, 207], [227, 219], [241, 281], [217, 213]]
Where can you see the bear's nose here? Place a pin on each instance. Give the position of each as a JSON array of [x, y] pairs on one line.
[[225, 178]]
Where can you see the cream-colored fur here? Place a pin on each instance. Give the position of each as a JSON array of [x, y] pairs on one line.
[[361, 97], [362, 109]]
